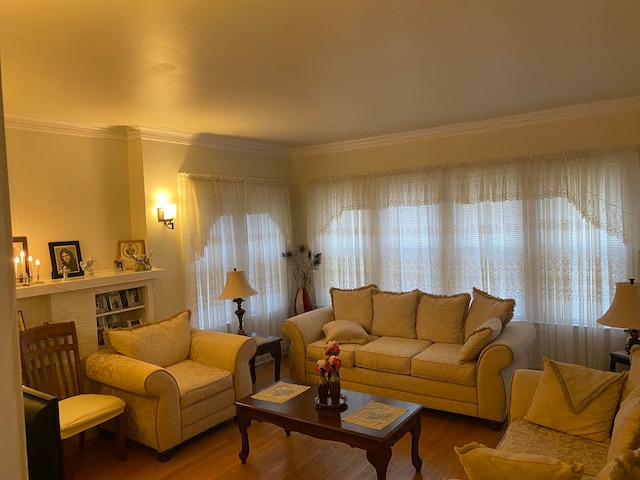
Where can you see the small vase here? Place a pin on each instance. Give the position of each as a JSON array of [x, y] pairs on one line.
[[323, 389], [302, 301], [334, 387]]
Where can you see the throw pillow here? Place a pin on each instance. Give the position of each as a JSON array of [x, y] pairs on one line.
[[485, 306], [626, 426], [483, 336], [394, 314], [576, 400], [163, 343], [440, 318], [483, 463], [624, 467], [354, 304], [345, 331]]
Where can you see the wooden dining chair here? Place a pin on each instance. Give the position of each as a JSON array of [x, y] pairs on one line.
[[51, 364]]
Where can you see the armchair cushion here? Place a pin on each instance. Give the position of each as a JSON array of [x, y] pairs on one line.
[[624, 467], [163, 343], [482, 463], [197, 381], [355, 304]]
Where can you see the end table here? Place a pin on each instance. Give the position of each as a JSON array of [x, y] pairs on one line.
[[266, 344], [621, 357]]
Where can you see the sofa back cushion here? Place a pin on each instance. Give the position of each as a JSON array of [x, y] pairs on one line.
[[394, 314], [485, 306], [163, 343], [354, 304], [440, 318]]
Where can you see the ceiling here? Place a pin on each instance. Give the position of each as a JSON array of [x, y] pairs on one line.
[[301, 72]]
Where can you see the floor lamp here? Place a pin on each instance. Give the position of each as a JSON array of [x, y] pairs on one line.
[[624, 312], [236, 288]]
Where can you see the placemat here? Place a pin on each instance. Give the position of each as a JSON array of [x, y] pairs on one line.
[[375, 415], [280, 392]]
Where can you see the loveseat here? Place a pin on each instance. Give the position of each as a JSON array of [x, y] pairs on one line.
[[176, 381], [566, 422], [453, 353]]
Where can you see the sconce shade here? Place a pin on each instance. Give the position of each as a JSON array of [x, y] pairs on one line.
[[624, 311], [237, 286], [167, 214]]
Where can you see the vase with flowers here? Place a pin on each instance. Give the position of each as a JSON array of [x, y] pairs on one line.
[[302, 262], [323, 383], [331, 351]]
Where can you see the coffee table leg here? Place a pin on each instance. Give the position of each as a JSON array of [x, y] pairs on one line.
[[415, 440], [380, 461], [243, 425], [277, 355]]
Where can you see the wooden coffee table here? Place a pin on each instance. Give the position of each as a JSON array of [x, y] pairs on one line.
[[300, 414]]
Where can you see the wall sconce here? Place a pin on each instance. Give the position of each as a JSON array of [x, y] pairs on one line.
[[167, 214]]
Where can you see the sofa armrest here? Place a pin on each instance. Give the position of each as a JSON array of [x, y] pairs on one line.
[[523, 387], [301, 330], [228, 351], [496, 365]]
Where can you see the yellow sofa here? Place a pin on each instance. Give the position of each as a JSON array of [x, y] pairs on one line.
[[176, 382], [452, 353]]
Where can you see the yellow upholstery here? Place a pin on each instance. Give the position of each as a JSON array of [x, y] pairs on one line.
[[168, 405]]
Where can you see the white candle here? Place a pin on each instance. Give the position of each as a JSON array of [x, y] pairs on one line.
[[30, 260], [37, 270], [16, 260], [23, 271]]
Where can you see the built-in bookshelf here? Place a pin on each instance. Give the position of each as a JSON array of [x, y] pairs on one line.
[[120, 308]]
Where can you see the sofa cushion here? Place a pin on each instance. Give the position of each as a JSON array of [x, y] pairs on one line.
[[626, 426], [440, 362], [483, 463], [389, 354], [345, 331], [624, 467], [440, 318], [355, 304], [197, 381], [485, 306], [525, 437], [576, 399], [163, 343], [315, 351], [394, 314], [480, 338]]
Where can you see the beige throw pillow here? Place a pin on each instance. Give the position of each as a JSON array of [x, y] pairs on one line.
[[626, 426], [482, 463], [394, 314], [345, 331], [483, 336], [163, 343], [576, 400], [485, 306], [440, 318], [355, 304], [624, 467]]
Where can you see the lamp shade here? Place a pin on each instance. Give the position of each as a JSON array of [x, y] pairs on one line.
[[237, 286], [624, 311]]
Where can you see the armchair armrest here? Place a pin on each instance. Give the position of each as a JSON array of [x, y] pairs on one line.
[[523, 387], [301, 330], [227, 351]]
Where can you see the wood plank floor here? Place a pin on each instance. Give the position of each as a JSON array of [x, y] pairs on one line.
[[273, 455]]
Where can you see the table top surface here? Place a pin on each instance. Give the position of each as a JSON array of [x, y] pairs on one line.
[[303, 409], [262, 338]]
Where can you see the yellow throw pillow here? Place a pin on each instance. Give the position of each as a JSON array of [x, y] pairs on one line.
[[483, 336], [345, 331], [485, 306], [483, 463], [394, 314], [355, 304], [624, 467], [576, 400], [626, 426], [440, 318]]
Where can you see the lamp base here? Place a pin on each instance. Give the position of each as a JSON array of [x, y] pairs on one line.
[[241, 332], [633, 340]]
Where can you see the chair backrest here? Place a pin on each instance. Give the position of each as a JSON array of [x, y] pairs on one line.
[[50, 359]]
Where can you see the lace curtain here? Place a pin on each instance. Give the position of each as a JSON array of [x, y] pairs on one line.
[[232, 223], [555, 232]]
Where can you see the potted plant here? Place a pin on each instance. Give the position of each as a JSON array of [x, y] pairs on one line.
[[302, 262]]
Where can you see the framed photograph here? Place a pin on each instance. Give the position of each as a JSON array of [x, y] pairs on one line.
[[127, 249], [112, 321], [21, 321], [133, 297], [118, 265], [99, 305], [22, 267], [100, 337], [115, 302], [100, 322], [135, 322], [65, 254]]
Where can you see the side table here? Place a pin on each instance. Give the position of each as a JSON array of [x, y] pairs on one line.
[[621, 357], [266, 344]]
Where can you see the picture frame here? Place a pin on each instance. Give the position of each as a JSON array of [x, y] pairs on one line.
[[100, 337], [112, 321], [135, 322], [118, 265], [21, 324], [99, 305], [115, 301], [126, 250], [65, 254], [133, 297], [20, 245]]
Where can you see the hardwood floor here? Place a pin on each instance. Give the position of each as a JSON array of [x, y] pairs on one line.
[[273, 455]]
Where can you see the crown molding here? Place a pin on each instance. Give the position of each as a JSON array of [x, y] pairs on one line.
[[63, 127], [545, 116]]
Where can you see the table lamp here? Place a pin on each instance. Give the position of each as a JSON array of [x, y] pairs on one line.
[[624, 311], [236, 288]]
